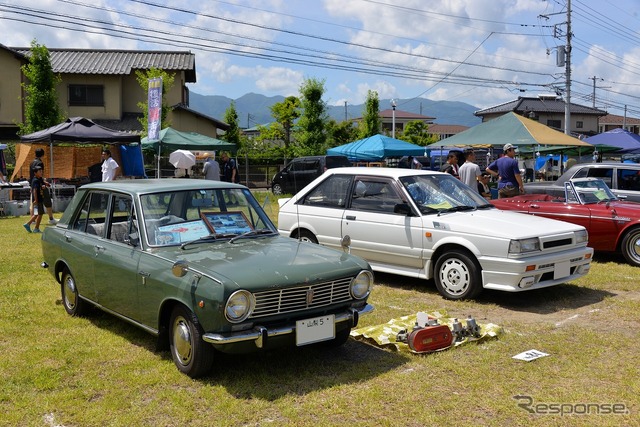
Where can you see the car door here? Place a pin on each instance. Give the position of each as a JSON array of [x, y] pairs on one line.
[[378, 234], [83, 240], [116, 263]]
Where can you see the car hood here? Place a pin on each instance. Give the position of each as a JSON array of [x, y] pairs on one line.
[[499, 223], [263, 262]]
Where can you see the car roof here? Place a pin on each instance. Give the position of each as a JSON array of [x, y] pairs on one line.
[[374, 171], [146, 186]]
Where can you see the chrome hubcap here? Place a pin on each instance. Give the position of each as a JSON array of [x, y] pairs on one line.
[[70, 296], [182, 341]]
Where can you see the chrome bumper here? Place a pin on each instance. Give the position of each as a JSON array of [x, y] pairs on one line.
[[259, 334]]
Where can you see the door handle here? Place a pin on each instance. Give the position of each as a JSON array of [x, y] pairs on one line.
[[534, 206], [351, 217]]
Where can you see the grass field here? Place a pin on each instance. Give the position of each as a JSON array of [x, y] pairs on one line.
[[98, 371]]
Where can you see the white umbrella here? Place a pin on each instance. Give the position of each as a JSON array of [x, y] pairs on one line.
[[182, 159]]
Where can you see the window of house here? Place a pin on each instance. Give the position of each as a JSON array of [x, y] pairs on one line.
[[86, 95], [554, 123]]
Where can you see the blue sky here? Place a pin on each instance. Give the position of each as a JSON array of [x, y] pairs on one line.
[[483, 52]]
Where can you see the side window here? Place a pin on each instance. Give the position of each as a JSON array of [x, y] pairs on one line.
[[605, 173], [374, 195], [93, 214], [332, 192], [121, 218], [628, 179]]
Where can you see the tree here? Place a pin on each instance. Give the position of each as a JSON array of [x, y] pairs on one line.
[[417, 132], [312, 136], [231, 118], [143, 78], [41, 101], [340, 133], [285, 113], [370, 124]]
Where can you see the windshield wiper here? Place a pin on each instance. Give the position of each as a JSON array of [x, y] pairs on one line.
[[209, 238], [250, 233], [459, 209]]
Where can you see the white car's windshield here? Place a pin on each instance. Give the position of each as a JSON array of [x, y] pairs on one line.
[[186, 216], [441, 193]]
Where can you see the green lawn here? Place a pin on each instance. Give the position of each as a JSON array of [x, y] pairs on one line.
[[98, 371]]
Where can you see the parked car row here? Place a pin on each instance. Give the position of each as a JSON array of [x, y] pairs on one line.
[[200, 265]]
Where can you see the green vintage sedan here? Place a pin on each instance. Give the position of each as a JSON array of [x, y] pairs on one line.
[[199, 264]]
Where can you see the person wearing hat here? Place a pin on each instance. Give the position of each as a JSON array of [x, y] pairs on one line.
[[211, 169], [483, 185], [508, 172]]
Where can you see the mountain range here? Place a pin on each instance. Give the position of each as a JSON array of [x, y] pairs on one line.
[[253, 109]]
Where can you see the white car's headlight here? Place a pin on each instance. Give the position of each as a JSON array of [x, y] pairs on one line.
[[361, 285], [582, 236], [239, 306], [524, 245]]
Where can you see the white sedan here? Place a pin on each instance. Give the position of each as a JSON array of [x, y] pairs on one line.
[[430, 225]]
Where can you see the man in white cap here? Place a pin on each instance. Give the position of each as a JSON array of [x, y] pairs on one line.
[[508, 172], [211, 168]]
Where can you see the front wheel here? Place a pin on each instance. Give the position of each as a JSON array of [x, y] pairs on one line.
[[73, 304], [191, 355], [457, 276], [631, 247], [277, 189], [307, 236]]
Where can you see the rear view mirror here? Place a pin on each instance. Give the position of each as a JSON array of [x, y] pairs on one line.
[[403, 209]]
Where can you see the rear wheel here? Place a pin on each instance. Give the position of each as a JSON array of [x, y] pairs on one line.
[[457, 276], [631, 246], [73, 304], [307, 236], [191, 355]]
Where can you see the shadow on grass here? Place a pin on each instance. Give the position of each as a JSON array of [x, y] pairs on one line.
[[271, 374], [540, 301]]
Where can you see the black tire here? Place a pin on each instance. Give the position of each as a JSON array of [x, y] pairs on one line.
[[73, 304], [457, 276], [630, 246], [191, 355], [277, 189], [307, 236]]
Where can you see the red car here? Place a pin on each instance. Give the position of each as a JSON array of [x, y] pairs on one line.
[[613, 224]]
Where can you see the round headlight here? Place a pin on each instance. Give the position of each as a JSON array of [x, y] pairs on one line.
[[361, 285], [239, 306]]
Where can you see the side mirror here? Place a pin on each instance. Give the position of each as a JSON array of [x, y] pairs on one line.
[[345, 242], [402, 208]]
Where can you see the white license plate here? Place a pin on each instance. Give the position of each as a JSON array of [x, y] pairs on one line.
[[317, 329], [563, 269]]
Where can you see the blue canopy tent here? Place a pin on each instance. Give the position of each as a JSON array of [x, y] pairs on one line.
[[626, 142], [376, 148]]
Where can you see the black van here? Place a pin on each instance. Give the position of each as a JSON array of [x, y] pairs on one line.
[[302, 170]]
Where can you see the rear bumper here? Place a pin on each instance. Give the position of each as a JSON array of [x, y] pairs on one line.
[[260, 334]]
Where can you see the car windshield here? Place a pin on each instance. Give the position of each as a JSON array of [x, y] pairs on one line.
[[175, 218], [591, 191], [440, 193]]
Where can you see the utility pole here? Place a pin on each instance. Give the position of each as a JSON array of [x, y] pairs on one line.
[[567, 104]]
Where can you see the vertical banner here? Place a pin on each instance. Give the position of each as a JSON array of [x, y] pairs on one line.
[[155, 108], [154, 113]]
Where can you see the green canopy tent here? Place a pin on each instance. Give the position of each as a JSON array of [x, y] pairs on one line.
[[514, 129], [171, 140]]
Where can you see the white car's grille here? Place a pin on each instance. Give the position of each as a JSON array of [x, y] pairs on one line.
[[282, 301]]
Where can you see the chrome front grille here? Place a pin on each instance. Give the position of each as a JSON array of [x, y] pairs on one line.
[[289, 300]]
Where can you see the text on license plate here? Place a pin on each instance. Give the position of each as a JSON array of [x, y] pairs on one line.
[[317, 329]]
